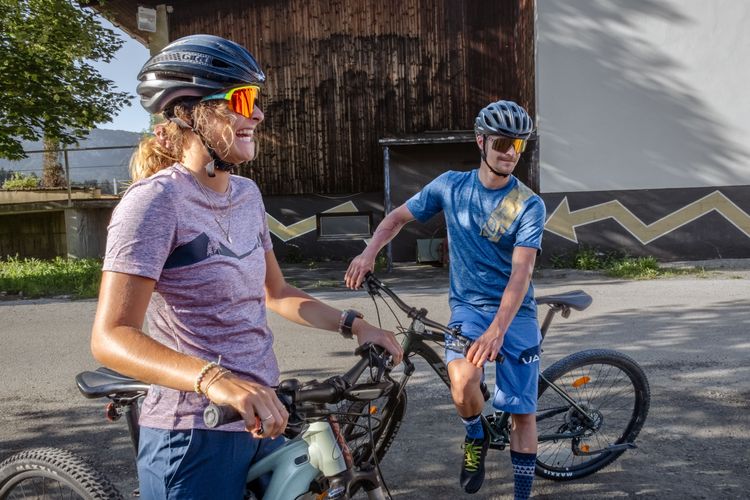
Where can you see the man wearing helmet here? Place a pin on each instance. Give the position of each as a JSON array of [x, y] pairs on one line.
[[189, 250], [495, 226]]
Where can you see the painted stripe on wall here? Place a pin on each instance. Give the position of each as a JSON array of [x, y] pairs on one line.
[[563, 222]]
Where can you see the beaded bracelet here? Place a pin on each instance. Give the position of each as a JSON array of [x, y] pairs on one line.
[[215, 378], [204, 370]]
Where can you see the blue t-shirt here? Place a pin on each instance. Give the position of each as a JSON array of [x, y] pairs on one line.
[[484, 226]]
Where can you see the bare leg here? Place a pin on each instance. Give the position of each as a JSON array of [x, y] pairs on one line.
[[465, 379], [523, 437]]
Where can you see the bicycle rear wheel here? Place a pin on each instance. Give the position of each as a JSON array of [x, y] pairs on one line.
[[612, 390], [50, 473]]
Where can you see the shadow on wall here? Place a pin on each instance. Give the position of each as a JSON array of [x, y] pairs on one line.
[[614, 104]]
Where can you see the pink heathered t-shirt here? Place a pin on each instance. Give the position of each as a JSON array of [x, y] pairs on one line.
[[209, 298]]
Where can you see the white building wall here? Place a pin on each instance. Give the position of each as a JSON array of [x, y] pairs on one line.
[[643, 94]]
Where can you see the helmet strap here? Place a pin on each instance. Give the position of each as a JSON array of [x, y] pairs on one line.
[[216, 162], [484, 158]]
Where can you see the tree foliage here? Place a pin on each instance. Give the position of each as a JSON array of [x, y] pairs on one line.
[[19, 181], [48, 87]]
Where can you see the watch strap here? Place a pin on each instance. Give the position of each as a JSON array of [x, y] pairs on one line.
[[347, 321]]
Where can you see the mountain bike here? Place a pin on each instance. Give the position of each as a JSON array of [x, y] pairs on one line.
[[591, 404], [314, 462]]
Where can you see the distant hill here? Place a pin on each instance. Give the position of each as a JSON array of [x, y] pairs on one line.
[[100, 166]]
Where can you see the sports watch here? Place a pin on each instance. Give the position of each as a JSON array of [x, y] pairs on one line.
[[347, 320]]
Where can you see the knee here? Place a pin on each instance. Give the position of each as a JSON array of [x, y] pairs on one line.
[[464, 378]]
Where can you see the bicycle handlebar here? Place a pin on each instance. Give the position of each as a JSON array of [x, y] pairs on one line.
[[332, 390], [460, 343]]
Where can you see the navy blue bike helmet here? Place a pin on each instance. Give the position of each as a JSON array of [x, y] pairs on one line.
[[195, 66], [504, 118]]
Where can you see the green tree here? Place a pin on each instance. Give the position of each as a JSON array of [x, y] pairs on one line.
[[48, 87]]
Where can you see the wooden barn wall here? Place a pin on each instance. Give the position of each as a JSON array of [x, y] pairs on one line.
[[342, 74]]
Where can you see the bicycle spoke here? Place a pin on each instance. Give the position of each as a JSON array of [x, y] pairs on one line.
[[607, 393]]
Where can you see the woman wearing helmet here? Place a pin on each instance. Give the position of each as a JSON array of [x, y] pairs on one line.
[[189, 250], [495, 226]]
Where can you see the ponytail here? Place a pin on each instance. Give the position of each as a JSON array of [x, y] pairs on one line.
[[164, 148]]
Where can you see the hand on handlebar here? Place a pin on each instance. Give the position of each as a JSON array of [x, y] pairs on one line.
[[365, 332], [264, 414], [358, 268], [485, 348]]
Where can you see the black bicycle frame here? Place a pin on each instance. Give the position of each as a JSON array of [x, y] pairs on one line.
[[414, 343]]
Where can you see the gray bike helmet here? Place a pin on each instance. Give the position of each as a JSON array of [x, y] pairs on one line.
[[504, 118], [195, 66]]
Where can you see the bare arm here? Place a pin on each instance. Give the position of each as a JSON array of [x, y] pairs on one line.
[[295, 305], [486, 347], [118, 343], [385, 232]]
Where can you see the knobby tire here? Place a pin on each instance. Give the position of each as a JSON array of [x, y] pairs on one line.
[[608, 384], [52, 473]]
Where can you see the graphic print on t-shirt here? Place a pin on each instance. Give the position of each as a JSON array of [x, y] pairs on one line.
[[201, 248], [506, 212]]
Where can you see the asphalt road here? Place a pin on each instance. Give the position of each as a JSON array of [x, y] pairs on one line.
[[690, 334]]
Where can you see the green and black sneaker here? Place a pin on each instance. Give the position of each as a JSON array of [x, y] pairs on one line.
[[472, 469]]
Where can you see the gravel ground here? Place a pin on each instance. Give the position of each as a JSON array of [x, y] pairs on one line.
[[689, 333]]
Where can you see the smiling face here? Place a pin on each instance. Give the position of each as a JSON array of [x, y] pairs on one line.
[[231, 134], [244, 146]]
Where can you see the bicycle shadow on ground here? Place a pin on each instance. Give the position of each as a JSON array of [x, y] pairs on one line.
[[81, 428]]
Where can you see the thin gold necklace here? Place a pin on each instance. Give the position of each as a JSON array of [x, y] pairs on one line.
[[215, 211]]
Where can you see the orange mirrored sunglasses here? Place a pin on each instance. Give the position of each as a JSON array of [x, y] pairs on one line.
[[241, 100], [501, 143]]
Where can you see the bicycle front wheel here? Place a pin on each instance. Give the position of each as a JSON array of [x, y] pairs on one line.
[[613, 393], [381, 417], [50, 473]]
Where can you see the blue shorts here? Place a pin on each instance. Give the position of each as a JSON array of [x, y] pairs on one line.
[[198, 463], [516, 378]]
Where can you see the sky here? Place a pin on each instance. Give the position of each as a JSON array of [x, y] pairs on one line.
[[123, 71]]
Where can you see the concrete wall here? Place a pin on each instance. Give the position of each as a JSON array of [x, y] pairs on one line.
[[44, 195], [86, 231], [39, 234], [643, 125], [643, 94]]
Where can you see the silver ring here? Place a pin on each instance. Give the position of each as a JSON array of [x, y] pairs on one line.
[[269, 416]]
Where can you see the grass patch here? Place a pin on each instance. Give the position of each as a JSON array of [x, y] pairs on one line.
[[44, 278], [619, 265]]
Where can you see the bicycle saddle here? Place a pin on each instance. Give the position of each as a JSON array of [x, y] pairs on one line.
[[104, 382], [577, 299]]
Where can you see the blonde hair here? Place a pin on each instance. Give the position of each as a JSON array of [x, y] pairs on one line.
[[166, 146]]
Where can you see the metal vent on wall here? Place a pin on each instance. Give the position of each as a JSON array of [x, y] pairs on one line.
[[344, 225]]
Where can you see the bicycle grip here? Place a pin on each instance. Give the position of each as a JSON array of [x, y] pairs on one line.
[[215, 415]]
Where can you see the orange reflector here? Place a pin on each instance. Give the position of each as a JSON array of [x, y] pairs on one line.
[[581, 381], [373, 410], [585, 448]]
